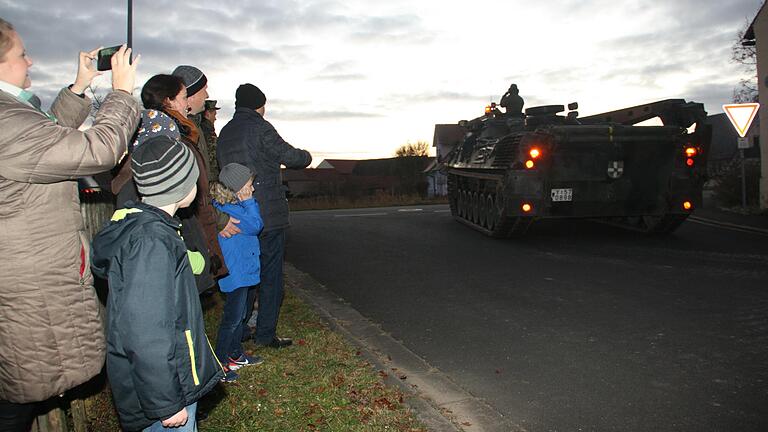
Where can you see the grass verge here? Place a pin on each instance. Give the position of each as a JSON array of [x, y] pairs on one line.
[[377, 200], [321, 383]]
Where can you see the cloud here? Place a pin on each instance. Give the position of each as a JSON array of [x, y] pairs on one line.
[[428, 97], [712, 95], [320, 115], [401, 57], [340, 77]]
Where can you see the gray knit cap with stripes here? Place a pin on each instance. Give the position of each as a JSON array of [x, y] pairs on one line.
[[164, 170]]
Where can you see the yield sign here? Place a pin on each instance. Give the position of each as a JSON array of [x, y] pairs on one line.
[[741, 116]]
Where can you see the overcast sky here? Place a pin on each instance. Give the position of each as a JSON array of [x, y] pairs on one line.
[[359, 78]]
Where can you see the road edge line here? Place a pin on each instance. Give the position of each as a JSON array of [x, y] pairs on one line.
[[712, 222]]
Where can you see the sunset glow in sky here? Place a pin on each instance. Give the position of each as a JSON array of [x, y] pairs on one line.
[[357, 79]]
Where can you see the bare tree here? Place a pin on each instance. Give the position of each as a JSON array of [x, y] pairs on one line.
[[420, 148], [97, 98], [746, 56]]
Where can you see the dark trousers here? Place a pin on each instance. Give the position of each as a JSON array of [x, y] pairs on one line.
[[16, 417], [232, 322], [272, 244]]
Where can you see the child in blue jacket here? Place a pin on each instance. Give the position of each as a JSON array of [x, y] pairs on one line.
[[233, 195]]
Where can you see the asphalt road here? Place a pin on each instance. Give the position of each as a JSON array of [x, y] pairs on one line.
[[578, 326]]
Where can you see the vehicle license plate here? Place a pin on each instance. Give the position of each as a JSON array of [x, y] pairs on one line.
[[559, 195]]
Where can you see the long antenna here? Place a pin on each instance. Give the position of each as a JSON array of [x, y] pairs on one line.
[[129, 41]]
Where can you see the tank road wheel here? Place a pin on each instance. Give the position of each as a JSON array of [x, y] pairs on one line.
[[470, 207], [482, 210], [453, 198], [491, 216], [467, 204], [475, 212]]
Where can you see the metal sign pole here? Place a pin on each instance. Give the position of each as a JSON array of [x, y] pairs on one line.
[[743, 182]]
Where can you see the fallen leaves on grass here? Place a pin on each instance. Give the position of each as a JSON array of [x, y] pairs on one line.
[[321, 383]]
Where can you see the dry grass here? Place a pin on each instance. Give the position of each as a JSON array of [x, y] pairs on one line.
[[321, 383], [378, 200]]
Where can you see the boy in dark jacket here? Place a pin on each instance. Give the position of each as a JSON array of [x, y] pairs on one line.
[[159, 360]]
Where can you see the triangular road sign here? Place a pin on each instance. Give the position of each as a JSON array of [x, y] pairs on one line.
[[741, 116]]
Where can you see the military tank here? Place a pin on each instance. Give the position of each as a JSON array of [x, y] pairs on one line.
[[507, 170]]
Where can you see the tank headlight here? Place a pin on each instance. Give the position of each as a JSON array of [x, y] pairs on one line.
[[529, 164], [534, 152], [687, 205], [691, 151], [689, 162]]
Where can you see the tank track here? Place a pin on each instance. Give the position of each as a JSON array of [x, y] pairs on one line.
[[476, 201], [649, 224]]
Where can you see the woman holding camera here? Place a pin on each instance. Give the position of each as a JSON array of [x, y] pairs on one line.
[[51, 331]]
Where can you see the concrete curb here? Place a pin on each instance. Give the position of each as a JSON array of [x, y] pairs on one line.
[[437, 401], [728, 225]]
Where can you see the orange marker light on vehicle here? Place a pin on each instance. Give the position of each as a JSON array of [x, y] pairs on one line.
[[487, 109], [689, 162], [690, 151], [527, 207], [529, 164], [534, 153], [687, 205]]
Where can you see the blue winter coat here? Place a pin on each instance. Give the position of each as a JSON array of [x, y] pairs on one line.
[[241, 251]]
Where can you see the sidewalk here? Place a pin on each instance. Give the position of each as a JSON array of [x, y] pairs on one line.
[[711, 213]]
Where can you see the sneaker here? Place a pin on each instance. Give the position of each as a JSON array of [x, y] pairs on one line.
[[244, 360], [230, 376]]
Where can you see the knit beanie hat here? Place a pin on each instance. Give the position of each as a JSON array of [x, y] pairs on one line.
[[249, 96], [155, 123], [194, 79], [234, 176], [164, 171]]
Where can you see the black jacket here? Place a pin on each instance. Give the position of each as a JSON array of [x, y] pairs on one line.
[[159, 359], [250, 140]]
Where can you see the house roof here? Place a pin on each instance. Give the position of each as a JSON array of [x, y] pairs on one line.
[[724, 137], [750, 33], [447, 136], [310, 174], [343, 166], [434, 166]]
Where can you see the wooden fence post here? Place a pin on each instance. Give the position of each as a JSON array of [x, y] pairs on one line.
[[57, 420], [79, 418]]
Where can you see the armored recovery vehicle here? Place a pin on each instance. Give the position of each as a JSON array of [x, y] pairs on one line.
[[507, 170]]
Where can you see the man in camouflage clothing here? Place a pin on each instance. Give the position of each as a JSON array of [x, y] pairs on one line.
[[207, 121]]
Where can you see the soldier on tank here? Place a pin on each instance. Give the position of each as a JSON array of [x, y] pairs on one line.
[[512, 101]]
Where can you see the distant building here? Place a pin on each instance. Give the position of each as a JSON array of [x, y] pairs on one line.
[[437, 181], [445, 139], [724, 147], [354, 178]]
